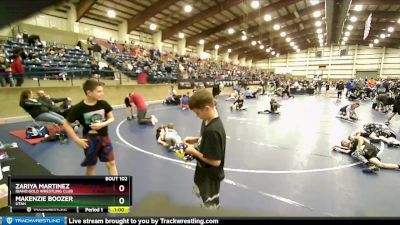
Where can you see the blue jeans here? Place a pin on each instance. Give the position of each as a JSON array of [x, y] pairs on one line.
[[51, 117]]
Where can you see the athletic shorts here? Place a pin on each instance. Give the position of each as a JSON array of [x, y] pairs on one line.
[[127, 102], [208, 190], [99, 148]]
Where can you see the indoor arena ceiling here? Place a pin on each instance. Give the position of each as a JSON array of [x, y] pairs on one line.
[[308, 23]]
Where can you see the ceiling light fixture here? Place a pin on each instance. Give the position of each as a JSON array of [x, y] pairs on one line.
[[320, 36], [277, 27], [216, 46], [261, 46], [283, 34], [201, 41], [229, 50], [267, 17], [314, 2], [253, 43], [371, 45], [153, 26], [382, 36], [349, 27], [318, 23], [345, 38], [319, 30], [288, 39], [358, 8], [244, 37], [255, 4], [376, 41], [231, 31], [347, 33], [317, 14], [111, 13], [181, 35], [353, 19], [188, 8], [390, 29]]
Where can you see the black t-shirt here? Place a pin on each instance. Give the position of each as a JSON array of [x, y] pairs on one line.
[[87, 114], [340, 87], [212, 145]]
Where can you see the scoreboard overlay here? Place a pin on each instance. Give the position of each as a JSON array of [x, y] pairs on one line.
[[69, 193]]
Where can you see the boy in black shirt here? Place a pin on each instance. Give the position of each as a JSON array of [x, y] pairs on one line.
[[94, 115], [211, 154]]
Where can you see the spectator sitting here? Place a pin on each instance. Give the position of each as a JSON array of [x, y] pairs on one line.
[[5, 72], [94, 66]]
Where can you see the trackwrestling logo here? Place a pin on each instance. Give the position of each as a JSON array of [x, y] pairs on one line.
[[33, 220]]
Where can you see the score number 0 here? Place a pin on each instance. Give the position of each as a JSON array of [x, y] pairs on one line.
[[121, 188]]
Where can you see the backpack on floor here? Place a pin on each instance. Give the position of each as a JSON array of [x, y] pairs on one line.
[[36, 131]]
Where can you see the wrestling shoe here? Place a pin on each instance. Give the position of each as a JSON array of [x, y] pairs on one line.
[[371, 168]]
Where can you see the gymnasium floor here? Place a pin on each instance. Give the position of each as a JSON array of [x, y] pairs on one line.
[[276, 165]]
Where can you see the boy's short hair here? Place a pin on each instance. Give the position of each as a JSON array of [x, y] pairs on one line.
[[170, 126], [90, 85], [201, 99]]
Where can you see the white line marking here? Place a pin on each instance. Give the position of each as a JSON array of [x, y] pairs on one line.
[[236, 118], [240, 170], [247, 188]]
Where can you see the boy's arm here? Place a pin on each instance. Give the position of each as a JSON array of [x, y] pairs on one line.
[[81, 142], [98, 126], [162, 142], [341, 149], [191, 140], [191, 150]]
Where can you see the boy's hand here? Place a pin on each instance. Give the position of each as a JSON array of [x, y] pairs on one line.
[[97, 126], [190, 150], [83, 143]]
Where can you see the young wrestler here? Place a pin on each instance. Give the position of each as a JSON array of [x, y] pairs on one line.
[[238, 103], [359, 147], [169, 137], [211, 154], [94, 114], [274, 106], [348, 112], [378, 132]]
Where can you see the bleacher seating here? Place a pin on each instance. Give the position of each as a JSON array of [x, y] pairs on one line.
[[75, 62]]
